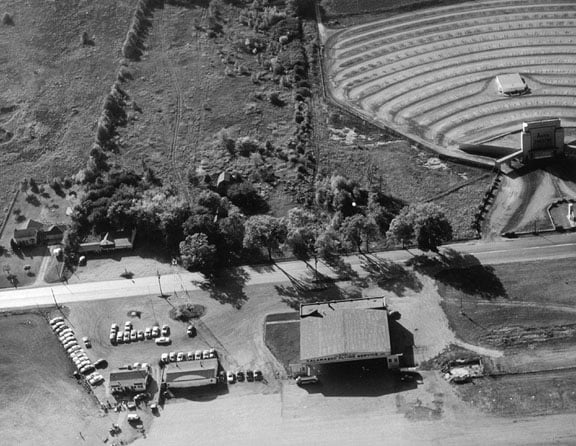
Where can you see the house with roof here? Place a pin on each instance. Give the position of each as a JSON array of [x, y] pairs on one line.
[[32, 233], [110, 241], [129, 380], [191, 373], [345, 330]]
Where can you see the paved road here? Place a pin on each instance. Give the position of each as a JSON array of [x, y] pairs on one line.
[[554, 246]]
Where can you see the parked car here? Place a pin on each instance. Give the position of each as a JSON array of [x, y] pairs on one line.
[[165, 330], [172, 356], [305, 380], [120, 337], [240, 376], [155, 331], [88, 368], [56, 320], [163, 340], [206, 354], [148, 333], [70, 343], [190, 356], [126, 336], [180, 357], [101, 363], [258, 375], [212, 353], [95, 379], [114, 327], [133, 418], [198, 354], [58, 325], [113, 338], [191, 331], [127, 326], [164, 358], [141, 336], [133, 336], [250, 375], [87, 342], [230, 377]]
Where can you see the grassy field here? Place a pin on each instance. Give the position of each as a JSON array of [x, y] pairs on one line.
[[53, 87], [282, 337]]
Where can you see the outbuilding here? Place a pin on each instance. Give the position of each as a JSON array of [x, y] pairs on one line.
[[511, 84], [130, 380], [187, 374]]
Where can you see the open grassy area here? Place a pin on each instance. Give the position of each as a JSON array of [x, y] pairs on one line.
[[282, 337]]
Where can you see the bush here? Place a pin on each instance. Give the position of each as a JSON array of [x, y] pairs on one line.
[[7, 19], [275, 99], [187, 312], [246, 145]]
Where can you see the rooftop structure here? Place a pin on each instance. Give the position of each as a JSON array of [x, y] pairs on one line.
[[346, 330], [510, 84], [132, 380], [191, 373]]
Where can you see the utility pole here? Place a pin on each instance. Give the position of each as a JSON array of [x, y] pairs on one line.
[[159, 283]]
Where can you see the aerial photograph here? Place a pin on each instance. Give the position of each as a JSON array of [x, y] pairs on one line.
[[287, 222]]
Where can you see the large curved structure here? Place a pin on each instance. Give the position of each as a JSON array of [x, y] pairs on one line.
[[430, 74]]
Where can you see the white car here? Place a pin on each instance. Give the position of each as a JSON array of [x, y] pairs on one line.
[[190, 356], [127, 326], [164, 358], [56, 320], [180, 357], [172, 356], [206, 354], [155, 331], [114, 327], [74, 348], [163, 340], [230, 377], [165, 330], [212, 353], [95, 379], [198, 354]]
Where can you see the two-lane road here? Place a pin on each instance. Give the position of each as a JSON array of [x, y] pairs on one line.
[[554, 246]]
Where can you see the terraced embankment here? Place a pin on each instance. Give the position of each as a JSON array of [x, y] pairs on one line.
[[430, 74]]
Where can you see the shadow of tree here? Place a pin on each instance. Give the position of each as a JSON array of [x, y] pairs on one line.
[[463, 272], [227, 286], [390, 276], [315, 288]]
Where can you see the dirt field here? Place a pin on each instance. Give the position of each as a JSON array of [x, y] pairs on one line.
[[43, 404], [414, 74]]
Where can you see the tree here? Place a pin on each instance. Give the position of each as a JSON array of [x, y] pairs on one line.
[[197, 253], [33, 186], [231, 230], [358, 229], [328, 244], [424, 223], [303, 230], [265, 231], [24, 186]]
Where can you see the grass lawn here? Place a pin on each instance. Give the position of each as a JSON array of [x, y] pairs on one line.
[[282, 337]]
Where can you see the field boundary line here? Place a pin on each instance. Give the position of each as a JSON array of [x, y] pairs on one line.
[[8, 212]]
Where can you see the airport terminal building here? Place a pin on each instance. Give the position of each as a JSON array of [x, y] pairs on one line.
[[345, 330]]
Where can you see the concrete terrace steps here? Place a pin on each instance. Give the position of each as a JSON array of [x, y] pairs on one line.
[[413, 71]]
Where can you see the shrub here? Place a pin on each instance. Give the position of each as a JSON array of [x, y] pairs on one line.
[[7, 19], [275, 99], [246, 145], [187, 312]]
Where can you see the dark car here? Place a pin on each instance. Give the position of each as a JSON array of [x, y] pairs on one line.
[[250, 375], [240, 376], [258, 375]]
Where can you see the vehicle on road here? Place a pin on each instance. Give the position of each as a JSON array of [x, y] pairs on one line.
[[230, 377], [240, 376], [163, 340]]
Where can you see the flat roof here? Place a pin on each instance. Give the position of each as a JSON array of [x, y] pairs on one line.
[[128, 375], [344, 327], [511, 82]]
